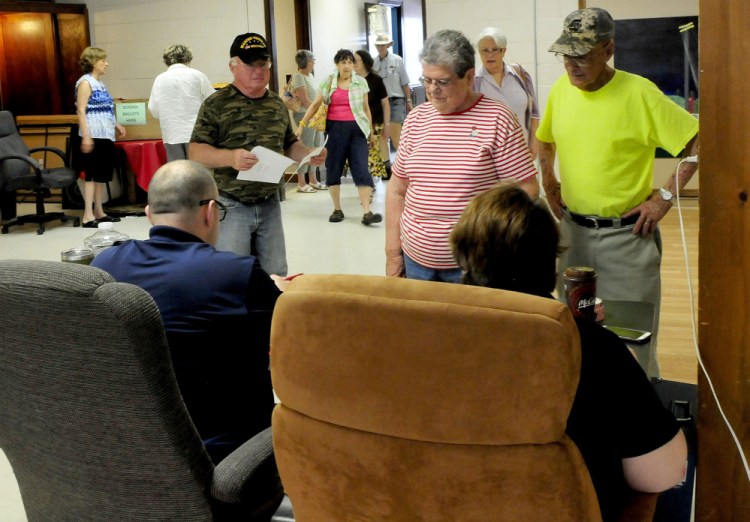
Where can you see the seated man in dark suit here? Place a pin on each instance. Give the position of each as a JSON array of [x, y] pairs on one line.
[[216, 306]]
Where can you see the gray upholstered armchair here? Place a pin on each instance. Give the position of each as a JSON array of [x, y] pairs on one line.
[[91, 418]]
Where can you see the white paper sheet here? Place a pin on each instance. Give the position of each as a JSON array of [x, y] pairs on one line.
[[272, 165], [269, 169]]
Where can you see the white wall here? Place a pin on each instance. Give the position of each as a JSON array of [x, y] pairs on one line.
[[135, 32], [532, 25], [335, 24]]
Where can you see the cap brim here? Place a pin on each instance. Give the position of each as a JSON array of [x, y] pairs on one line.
[[571, 46], [249, 56]]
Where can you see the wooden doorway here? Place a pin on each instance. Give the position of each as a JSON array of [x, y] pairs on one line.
[[39, 52]]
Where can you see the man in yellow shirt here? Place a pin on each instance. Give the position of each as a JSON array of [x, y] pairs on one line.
[[604, 126]]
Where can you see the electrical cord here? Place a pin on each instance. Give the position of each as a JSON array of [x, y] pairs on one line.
[[694, 159]]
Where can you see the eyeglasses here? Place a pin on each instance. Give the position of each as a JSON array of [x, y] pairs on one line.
[[439, 83], [257, 65], [222, 208], [494, 50]]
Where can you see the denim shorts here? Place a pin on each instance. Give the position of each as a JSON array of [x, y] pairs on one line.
[[398, 109]]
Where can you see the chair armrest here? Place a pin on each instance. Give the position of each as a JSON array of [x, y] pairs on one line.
[[51, 149], [34, 164], [248, 474], [27, 159]]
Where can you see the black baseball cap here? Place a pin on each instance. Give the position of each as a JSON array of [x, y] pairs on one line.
[[250, 47]]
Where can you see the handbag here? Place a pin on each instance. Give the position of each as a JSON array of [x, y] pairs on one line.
[[290, 99], [318, 120]]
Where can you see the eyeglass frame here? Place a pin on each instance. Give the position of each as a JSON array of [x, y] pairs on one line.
[[267, 64], [440, 83], [221, 206], [494, 50]]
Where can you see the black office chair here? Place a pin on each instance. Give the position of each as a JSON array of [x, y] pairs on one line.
[[19, 170]]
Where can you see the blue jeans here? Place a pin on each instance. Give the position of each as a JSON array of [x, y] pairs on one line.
[[255, 230], [347, 142], [416, 271]]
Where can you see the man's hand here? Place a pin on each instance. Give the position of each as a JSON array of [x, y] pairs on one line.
[[651, 212], [243, 159], [552, 191], [320, 159], [281, 282]]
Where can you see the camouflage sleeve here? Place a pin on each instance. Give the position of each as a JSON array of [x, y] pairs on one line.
[[206, 125], [290, 138]]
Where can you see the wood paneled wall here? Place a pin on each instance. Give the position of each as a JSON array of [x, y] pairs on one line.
[[723, 488]]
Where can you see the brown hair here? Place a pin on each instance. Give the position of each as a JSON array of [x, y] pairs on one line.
[[90, 56], [505, 240]]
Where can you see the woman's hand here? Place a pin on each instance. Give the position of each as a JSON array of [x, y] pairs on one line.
[[120, 129], [87, 145], [372, 140]]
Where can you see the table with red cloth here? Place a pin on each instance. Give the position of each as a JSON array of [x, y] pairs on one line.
[[143, 158]]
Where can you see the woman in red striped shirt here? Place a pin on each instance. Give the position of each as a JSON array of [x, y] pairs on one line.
[[454, 147]]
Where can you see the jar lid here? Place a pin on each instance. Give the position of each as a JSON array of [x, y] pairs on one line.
[[77, 254], [580, 272]]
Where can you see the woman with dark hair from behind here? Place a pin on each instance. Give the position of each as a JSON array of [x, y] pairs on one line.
[[380, 108], [627, 438]]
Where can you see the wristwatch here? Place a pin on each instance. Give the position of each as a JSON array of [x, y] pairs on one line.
[[665, 194]]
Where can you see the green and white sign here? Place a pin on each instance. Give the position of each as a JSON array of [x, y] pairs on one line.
[[133, 113]]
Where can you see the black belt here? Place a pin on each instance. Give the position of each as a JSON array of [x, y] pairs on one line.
[[395, 98], [595, 222]]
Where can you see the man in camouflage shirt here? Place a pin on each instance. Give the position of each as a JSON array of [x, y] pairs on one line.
[[230, 123]]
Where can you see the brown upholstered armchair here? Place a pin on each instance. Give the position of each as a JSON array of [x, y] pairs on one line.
[[406, 400]]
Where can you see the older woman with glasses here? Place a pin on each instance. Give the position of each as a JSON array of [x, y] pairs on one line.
[[508, 83], [452, 148]]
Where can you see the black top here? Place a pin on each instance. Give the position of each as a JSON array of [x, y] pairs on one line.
[[375, 96], [616, 414]]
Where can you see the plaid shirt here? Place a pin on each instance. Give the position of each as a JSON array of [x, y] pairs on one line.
[[357, 91]]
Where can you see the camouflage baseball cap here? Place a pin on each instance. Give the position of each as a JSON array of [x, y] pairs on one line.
[[582, 30]]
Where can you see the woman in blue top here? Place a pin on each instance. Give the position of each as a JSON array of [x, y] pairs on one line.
[[96, 127]]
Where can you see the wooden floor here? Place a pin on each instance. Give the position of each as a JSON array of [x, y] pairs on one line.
[[676, 352]]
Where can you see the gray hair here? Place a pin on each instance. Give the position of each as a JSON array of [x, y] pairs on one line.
[[496, 34], [302, 58], [178, 186], [177, 53], [448, 48]]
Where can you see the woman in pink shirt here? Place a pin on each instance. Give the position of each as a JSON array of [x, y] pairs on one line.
[[350, 134]]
